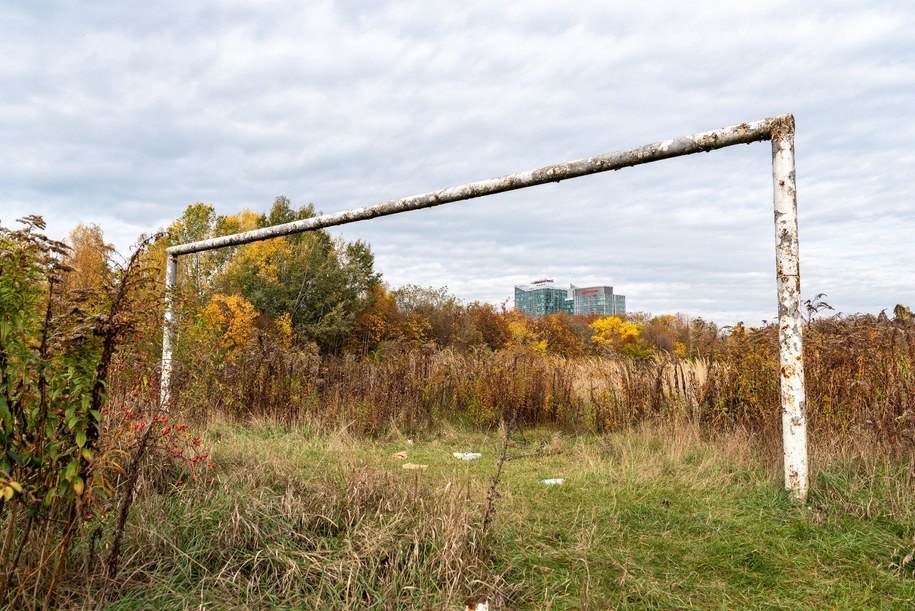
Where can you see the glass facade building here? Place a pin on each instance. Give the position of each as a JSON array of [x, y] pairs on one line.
[[597, 300], [542, 297]]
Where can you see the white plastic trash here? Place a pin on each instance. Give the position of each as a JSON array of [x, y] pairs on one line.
[[467, 455], [553, 481]]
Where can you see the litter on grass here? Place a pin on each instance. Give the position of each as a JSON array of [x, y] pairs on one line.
[[553, 481], [467, 455], [412, 467], [399, 456]]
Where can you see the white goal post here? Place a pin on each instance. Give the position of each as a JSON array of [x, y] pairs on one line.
[[779, 130]]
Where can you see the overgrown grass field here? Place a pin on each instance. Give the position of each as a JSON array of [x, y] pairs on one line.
[[273, 476], [660, 516]]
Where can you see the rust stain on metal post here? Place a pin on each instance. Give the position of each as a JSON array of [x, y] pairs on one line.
[[788, 277]]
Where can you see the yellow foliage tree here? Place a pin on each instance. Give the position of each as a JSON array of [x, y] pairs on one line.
[[88, 257], [266, 257], [378, 320], [523, 335], [232, 317], [416, 327], [246, 220], [614, 333], [284, 328]]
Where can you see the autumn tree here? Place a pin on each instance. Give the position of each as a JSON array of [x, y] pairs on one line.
[[433, 308], [522, 332], [490, 326], [90, 259], [377, 321], [322, 283], [556, 329], [196, 270], [229, 320], [667, 333], [619, 335]]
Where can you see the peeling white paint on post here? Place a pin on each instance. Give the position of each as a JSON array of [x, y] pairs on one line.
[[780, 130], [788, 277], [168, 332]]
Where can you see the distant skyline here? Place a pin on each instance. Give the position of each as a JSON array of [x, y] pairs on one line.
[[123, 114]]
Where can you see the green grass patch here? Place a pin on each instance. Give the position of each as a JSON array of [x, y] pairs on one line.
[[657, 517]]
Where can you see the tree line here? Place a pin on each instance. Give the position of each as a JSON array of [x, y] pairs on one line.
[[312, 290]]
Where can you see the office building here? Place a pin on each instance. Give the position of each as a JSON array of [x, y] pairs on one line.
[[597, 300], [543, 297], [540, 298]]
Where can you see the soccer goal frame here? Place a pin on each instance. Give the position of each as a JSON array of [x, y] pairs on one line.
[[779, 130]]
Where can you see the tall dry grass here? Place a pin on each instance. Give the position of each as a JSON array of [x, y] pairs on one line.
[[858, 380], [306, 523], [858, 371]]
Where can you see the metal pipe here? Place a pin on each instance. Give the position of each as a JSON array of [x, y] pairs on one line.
[[744, 133], [788, 277], [168, 332], [780, 130]]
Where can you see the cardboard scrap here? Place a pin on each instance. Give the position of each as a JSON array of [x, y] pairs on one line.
[[413, 467]]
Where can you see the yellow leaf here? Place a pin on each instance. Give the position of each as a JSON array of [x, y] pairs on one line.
[[87, 454], [78, 486], [7, 493], [16, 486]]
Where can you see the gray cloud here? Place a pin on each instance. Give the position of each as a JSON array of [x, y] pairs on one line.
[[123, 114]]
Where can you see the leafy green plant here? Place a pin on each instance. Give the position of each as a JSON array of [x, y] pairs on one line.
[[56, 349]]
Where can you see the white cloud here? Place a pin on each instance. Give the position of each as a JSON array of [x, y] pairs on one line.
[[123, 114]]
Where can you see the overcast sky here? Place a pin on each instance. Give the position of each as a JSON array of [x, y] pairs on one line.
[[123, 113]]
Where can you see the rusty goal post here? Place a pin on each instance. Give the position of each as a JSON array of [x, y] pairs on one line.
[[779, 130]]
